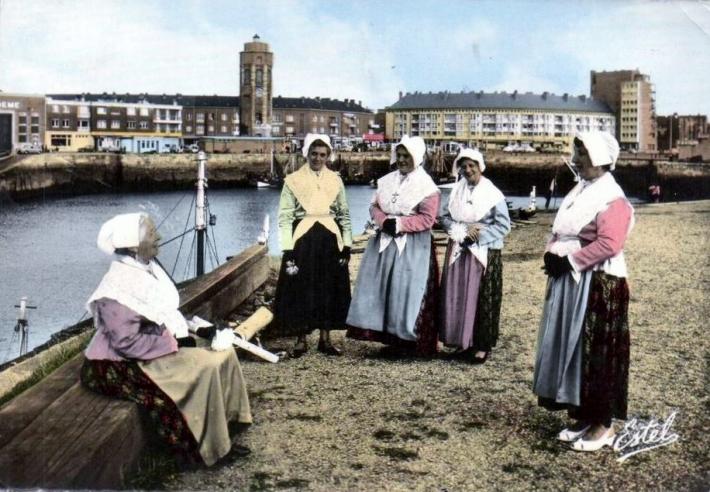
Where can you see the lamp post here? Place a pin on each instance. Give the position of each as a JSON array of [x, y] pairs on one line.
[[670, 133]]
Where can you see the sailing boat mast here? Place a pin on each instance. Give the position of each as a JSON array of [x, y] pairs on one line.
[[200, 222]]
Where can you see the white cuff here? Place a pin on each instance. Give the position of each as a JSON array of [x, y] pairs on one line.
[[398, 227]]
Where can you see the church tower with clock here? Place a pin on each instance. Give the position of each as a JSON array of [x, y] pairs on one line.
[[255, 88]]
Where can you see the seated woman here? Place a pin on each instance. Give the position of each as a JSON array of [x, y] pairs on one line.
[[472, 283], [395, 295], [190, 393]]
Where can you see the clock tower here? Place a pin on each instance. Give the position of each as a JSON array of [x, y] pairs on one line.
[[255, 87]]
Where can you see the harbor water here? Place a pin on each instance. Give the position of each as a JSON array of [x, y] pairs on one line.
[[48, 248]]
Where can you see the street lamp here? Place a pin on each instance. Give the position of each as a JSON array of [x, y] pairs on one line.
[[670, 133]]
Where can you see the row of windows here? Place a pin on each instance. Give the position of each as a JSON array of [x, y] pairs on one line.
[[116, 124], [130, 111], [200, 129], [200, 117]]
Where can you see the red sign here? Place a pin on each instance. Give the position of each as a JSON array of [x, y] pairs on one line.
[[373, 137]]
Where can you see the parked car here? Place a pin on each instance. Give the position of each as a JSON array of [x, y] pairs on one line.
[[109, 146], [194, 148], [29, 148]]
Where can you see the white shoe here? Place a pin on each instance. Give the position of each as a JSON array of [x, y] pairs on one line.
[[606, 440], [568, 435]]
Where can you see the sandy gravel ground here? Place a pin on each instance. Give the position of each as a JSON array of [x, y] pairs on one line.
[[368, 421]]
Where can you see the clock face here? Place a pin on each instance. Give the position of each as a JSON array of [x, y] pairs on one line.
[[259, 92]]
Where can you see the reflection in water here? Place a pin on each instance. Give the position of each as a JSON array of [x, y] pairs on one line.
[[48, 248]]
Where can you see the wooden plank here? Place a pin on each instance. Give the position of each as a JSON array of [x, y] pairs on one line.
[[20, 412], [103, 455], [73, 443], [202, 289], [229, 297], [25, 458]]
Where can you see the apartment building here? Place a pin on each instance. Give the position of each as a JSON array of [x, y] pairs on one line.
[[342, 120], [493, 120], [209, 117], [139, 123], [631, 96]]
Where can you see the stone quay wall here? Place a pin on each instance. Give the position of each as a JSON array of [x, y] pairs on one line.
[[53, 174]]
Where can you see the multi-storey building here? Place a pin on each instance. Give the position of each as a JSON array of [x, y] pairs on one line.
[[209, 117], [495, 119], [631, 96], [22, 121], [129, 122], [68, 125], [681, 130], [255, 87], [692, 128], [294, 117]]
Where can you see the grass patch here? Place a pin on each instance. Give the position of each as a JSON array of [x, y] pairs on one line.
[[156, 465], [45, 369]]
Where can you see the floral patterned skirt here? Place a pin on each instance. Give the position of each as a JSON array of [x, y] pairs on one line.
[[605, 353], [125, 380], [490, 297]]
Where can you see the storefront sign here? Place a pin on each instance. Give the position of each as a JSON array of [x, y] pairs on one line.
[[9, 105]]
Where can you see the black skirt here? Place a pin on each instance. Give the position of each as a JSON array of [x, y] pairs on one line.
[[318, 296]]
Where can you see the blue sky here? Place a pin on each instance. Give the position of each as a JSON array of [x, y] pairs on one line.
[[362, 50]]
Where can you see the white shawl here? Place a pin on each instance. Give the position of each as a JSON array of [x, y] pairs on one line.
[[146, 289], [579, 208], [399, 195], [469, 206]]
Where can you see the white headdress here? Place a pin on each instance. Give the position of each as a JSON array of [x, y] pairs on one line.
[[314, 137], [472, 154], [602, 147], [122, 231], [414, 145]]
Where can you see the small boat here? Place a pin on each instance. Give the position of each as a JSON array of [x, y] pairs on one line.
[[526, 213]]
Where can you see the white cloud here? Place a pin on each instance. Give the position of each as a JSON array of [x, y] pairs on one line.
[[128, 47], [368, 54], [666, 40]]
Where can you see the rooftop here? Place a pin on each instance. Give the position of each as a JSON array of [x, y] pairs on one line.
[[216, 101], [499, 100]]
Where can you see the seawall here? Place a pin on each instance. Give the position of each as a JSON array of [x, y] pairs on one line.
[[44, 175]]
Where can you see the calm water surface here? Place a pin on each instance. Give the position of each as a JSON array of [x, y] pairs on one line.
[[48, 248]]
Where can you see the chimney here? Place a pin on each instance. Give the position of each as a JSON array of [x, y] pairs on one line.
[[359, 103], [545, 94], [565, 96], [515, 94], [400, 95]]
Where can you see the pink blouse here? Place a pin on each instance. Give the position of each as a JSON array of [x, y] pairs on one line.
[[604, 237], [423, 219]]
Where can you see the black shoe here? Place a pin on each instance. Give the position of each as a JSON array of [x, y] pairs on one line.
[[328, 349], [480, 360], [461, 354], [299, 349]]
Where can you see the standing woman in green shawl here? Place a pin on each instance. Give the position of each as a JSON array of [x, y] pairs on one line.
[[313, 290]]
